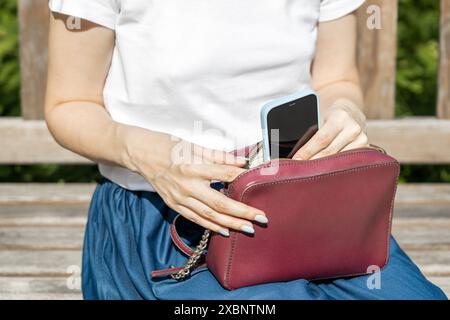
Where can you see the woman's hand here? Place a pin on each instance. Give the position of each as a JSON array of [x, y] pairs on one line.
[[342, 129], [181, 173]]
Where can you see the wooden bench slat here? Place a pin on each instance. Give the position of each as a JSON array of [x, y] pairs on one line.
[[413, 140], [41, 238], [423, 193], [40, 296], [38, 263], [422, 234], [43, 215], [42, 287], [410, 140], [44, 193], [421, 211], [30, 142]]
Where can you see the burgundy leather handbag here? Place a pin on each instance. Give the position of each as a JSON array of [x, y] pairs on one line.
[[328, 218]]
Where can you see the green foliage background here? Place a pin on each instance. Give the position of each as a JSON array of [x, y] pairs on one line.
[[418, 54], [416, 88], [9, 57]]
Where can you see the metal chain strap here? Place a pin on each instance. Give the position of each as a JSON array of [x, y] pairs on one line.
[[194, 258]]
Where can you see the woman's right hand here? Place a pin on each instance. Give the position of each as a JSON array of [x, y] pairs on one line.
[[72, 103], [183, 181]]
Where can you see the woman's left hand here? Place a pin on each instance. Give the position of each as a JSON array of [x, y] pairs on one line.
[[342, 129]]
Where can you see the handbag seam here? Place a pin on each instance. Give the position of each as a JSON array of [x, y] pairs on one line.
[[230, 261], [307, 163], [391, 213], [318, 177]]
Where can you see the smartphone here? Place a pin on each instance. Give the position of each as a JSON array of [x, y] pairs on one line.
[[288, 123]]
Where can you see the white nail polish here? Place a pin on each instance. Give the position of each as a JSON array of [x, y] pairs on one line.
[[224, 232], [261, 219], [247, 229]]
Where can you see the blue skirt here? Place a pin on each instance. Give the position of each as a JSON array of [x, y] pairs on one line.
[[127, 237]]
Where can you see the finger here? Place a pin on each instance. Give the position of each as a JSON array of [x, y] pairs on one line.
[[195, 218], [318, 142], [216, 217], [360, 142], [221, 157], [345, 137], [224, 173], [223, 204]]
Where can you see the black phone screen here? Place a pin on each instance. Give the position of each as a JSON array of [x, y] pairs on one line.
[[296, 122]]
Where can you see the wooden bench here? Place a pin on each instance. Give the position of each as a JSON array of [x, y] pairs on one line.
[[41, 225]]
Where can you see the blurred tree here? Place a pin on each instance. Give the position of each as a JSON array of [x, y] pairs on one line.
[[418, 56], [9, 57], [49, 173], [418, 51]]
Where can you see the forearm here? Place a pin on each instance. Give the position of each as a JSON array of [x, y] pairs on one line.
[[87, 129], [334, 72]]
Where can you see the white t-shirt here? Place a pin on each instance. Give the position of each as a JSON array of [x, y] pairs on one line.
[[202, 69]]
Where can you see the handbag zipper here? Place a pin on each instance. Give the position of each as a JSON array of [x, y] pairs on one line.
[[370, 147]]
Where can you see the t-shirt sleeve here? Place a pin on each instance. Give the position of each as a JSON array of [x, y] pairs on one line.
[[334, 9], [102, 12]]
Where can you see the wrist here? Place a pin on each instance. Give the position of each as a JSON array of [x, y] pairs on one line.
[[124, 136], [143, 151], [351, 108]]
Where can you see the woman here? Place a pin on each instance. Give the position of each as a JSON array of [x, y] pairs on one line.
[[134, 74]]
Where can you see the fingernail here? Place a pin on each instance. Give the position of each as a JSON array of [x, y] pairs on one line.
[[224, 232], [247, 229], [261, 219]]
